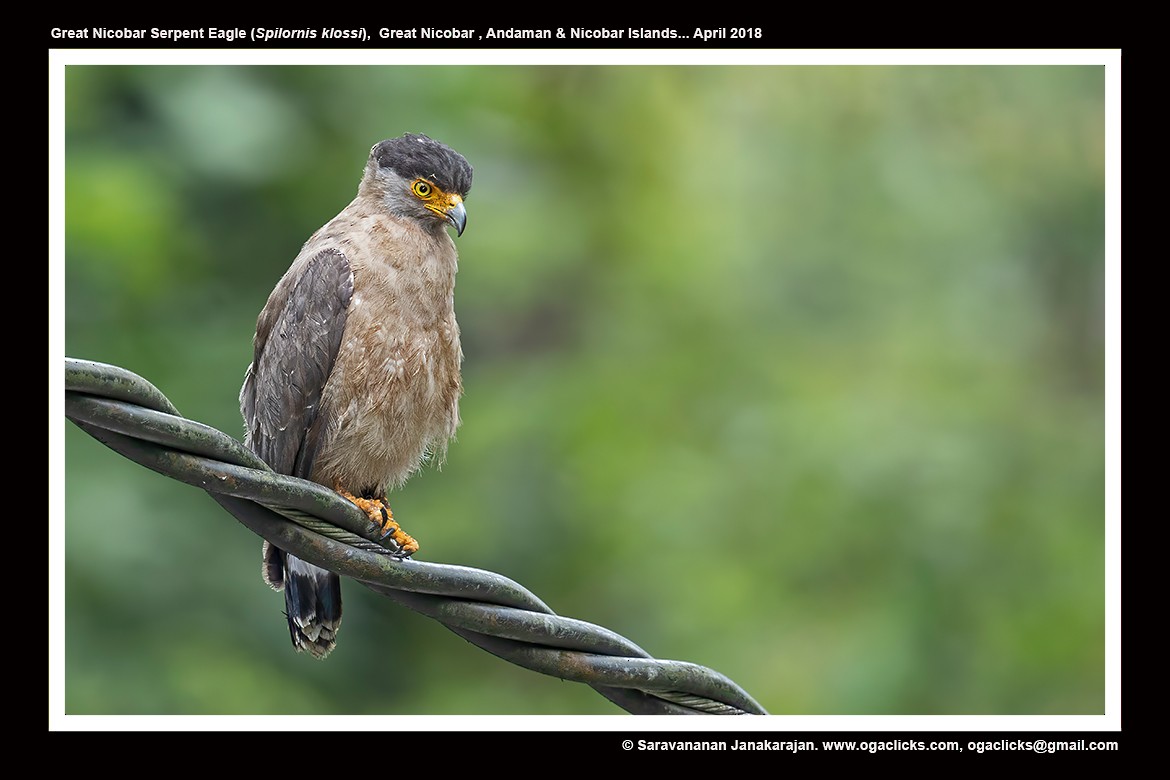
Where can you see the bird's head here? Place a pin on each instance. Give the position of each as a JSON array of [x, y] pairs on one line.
[[420, 178]]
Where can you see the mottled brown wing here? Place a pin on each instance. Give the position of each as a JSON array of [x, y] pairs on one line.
[[298, 336]]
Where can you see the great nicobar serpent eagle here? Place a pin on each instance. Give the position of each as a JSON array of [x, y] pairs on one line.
[[355, 378]]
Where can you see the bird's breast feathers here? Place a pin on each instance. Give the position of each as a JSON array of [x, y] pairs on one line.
[[393, 397]]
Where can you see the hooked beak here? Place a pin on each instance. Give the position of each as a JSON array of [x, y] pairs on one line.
[[456, 214]]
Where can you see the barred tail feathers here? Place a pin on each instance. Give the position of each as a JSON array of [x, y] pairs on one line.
[[312, 600]]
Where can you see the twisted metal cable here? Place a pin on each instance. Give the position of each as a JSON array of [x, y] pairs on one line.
[[131, 416]]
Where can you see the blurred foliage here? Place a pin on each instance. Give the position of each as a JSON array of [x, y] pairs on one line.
[[795, 372]]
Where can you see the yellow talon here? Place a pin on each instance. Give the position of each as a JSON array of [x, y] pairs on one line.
[[380, 515]]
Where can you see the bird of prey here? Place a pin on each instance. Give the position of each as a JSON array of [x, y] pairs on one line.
[[355, 375]]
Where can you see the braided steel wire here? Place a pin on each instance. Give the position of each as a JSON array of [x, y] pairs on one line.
[[131, 416]]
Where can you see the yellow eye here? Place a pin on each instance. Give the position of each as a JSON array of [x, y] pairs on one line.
[[422, 189]]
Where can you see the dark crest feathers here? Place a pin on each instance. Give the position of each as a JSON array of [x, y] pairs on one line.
[[415, 155]]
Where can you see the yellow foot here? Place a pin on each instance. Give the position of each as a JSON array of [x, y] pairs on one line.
[[380, 515]]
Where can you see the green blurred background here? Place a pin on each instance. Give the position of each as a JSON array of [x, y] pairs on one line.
[[794, 372]]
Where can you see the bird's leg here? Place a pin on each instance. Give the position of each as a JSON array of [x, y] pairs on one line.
[[380, 515]]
